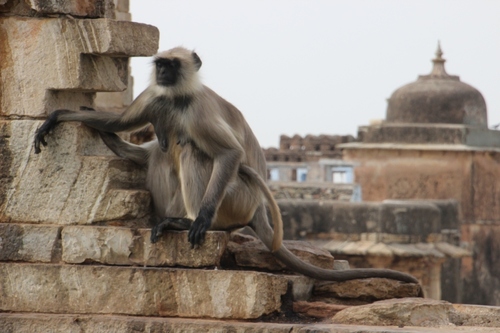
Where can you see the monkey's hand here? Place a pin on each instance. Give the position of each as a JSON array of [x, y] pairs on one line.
[[199, 228], [43, 130], [170, 223]]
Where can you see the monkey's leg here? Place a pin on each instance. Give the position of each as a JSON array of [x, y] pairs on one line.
[[169, 223]]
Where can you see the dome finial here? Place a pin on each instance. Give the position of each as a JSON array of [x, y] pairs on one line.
[[439, 52], [438, 71]]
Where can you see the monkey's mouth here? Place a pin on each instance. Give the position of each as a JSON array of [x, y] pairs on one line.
[[165, 83]]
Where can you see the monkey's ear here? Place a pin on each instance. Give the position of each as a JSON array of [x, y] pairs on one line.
[[197, 60]]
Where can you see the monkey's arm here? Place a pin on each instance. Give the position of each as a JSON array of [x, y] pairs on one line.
[[217, 140], [134, 117], [135, 153]]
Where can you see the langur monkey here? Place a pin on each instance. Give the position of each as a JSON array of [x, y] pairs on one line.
[[206, 169]]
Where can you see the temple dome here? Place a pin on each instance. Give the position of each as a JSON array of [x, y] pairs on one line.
[[437, 98]]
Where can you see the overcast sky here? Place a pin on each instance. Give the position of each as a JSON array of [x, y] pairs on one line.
[[325, 67]]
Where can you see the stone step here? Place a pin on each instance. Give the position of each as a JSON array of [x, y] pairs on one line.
[[91, 289], [107, 245], [63, 323]]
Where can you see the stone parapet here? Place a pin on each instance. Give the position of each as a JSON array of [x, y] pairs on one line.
[[318, 191], [410, 221], [426, 134]]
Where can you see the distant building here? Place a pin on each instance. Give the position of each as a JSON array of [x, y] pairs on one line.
[[435, 144], [310, 159]]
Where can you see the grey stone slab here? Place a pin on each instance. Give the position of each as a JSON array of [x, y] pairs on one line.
[[87, 289]]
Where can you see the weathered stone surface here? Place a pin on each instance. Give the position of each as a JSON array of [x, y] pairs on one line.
[[255, 254], [413, 221], [478, 315], [174, 249], [28, 242], [54, 8], [125, 246], [399, 312], [29, 323], [302, 287], [139, 291], [367, 289], [72, 323], [340, 265], [317, 191], [87, 8], [317, 309], [60, 185], [90, 55]]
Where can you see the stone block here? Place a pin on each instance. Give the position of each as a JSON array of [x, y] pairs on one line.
[[255, 254], [30, 243], [317, 309], [478, 315], [86, 289], [416, 220], [302, 287], [312, 216], [410, 217], [60, 323], [84, 56], [367, 289], [399, 312], [87, 8], [125, 246], [59, 185], [174, 249]]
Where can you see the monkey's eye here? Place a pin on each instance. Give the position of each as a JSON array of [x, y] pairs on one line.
[[176, 63]]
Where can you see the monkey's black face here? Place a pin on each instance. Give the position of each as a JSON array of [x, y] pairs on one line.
[[167, 71]]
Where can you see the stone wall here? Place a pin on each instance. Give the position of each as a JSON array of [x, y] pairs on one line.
[[466, 174], [317, 191], [412, 236], [88, 53]]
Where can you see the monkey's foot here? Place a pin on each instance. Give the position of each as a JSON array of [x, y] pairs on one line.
[[198, 230], [170, 223]]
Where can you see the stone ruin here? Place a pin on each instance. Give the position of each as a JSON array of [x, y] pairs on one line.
[[74, 235]]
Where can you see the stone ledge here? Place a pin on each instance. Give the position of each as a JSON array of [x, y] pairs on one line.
[[437, 251], [87, 289], [125, 246], [30, 322], [30, 243], [107, 245]]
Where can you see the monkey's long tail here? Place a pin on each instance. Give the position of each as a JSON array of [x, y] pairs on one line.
[[263, 230], [274, 208]]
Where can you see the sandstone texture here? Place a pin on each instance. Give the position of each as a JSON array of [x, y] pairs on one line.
[[139, 291], [125, 246], [41, 323], [318, 309], [92, 56], [87, 8], [255, 254], [65, 184], [367, 289], [30, 243], [400, 312], [107, 245]]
